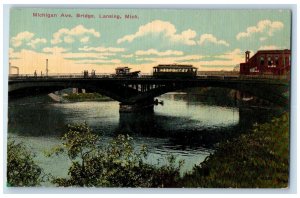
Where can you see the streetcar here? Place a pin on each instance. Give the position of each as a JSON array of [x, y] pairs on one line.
[[125, 72], [174, 71]]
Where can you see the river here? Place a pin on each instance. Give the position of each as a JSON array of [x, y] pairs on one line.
[[186, 125]]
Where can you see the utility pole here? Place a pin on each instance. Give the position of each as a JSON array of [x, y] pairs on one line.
[[46, 67]]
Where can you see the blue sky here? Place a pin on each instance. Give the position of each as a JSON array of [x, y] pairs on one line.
[[208, 39]]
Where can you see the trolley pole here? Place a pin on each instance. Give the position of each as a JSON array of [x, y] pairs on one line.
[[46, 67]]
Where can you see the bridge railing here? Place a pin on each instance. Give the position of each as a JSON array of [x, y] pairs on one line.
[[265, 77], [244, 77], [74, 75], [58, 75], [145, 76]]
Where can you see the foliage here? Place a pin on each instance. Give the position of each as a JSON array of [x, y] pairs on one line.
[[116, 164], [259, 159], [21, 168]]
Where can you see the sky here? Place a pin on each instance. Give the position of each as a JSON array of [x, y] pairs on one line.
[[74, 40]]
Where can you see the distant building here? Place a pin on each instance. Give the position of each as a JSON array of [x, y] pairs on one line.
[[272, 62]]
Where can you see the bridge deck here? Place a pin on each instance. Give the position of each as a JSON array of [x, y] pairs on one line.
[[144, 88], [108, 77]]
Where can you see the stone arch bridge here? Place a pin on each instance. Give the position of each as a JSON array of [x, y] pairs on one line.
[[139, 93]]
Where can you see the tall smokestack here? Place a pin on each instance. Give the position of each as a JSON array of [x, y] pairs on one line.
[[247, 56], [46, 67]]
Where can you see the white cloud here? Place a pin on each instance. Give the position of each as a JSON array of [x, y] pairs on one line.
[[85, 55], [231, 58], [69, 35], [54, 50], [98, 61], [36, 41], [209, 38], [127, 55], [185, 37], [20, 38], [264, 26], [166, 28], [68, 39], [263, 38], [230, 54], [73, 55], [101, 49], [173, 59], [155, 52], [85, 39], [269, 47], [12, 54]]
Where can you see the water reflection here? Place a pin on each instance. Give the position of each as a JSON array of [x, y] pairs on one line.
[[35, 117], [185, 128]]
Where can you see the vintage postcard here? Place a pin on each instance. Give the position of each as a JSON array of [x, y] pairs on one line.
[[151, 98]]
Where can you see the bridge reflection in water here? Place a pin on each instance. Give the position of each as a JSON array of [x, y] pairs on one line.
[[172, 128], [138, 93], [211, 124]]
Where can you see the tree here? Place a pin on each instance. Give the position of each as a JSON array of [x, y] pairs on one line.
[[117, 164], [21, 168]]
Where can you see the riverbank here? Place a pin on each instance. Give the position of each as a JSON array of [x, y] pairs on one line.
[[183, 127], [259, 159], [80, 97], [223, 97]]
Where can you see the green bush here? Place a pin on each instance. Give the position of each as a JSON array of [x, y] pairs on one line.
[[256, 160], [21, 168], [116, 164]]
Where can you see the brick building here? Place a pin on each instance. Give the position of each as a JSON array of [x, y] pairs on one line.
[[272, 62]]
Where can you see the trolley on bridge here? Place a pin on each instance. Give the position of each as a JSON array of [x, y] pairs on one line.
[[174, 71], [125, 72]]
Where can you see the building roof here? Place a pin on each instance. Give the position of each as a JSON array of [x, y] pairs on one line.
[[119, 68], [273, 51]]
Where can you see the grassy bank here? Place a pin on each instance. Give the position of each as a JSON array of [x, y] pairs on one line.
[[78, 97], [258, 159]]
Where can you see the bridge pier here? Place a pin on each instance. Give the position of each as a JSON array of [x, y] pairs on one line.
[[143, 106]]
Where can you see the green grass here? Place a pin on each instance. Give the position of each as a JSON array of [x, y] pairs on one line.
[[259, 159]]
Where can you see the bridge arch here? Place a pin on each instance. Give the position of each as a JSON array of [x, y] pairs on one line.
[[36, 88], [143, 91], [272, 94]]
